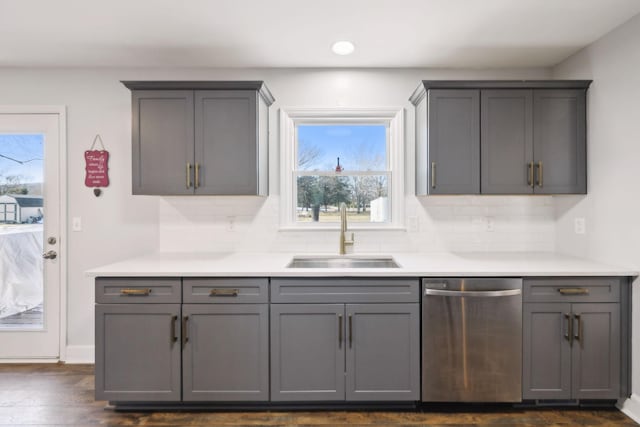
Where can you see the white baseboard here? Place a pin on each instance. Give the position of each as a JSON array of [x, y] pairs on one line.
[[80, 354], [631, 407]]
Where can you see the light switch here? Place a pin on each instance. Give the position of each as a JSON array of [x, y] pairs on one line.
[[579, 225], [76, 223]]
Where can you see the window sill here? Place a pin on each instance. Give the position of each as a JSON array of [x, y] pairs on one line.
[[336, 228]]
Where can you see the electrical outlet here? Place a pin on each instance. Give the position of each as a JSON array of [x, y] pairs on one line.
[[579, 225], [413, 224], [489, 226], [231, 226], [76, 223]]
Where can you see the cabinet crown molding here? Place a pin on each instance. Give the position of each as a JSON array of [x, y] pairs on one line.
[[425, 85], [257, 85]]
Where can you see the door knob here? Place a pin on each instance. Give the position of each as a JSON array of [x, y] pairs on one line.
[[50, 255]]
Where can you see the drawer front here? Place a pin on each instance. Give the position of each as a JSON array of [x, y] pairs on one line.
[[136, 290], [575, 289], [344, 290], [225, 290]]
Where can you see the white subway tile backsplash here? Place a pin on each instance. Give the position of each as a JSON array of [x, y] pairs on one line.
[[444, 223]]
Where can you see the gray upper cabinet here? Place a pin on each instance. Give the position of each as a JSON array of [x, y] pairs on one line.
[[205, 138], [527, 137], [559, 140], [162, 124], [448, 142], [507, 141]]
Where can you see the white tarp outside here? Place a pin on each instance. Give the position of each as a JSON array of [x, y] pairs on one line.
[[21, 268]]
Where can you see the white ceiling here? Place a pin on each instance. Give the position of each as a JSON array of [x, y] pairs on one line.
[[299, 33]]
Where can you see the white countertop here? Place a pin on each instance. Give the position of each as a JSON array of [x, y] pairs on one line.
[[411, 264]]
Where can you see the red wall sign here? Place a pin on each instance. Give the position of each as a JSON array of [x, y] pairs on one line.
[[97, 170]]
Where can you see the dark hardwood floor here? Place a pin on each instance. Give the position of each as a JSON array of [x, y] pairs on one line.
[[62, 395]]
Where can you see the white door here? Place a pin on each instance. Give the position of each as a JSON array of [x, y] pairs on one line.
[[30, 155]]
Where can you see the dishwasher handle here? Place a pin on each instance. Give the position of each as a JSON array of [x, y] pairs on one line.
[[482, 294]]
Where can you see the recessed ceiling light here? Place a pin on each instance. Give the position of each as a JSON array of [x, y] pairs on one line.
[[343, 47]]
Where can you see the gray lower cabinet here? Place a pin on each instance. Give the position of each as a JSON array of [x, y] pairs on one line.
[[138, 352], [333, 352], [150, 347], [204, 138], [307, 352], [226, 352], [571, 350]]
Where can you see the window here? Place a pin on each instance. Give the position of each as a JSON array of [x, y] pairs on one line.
[[337, 156]]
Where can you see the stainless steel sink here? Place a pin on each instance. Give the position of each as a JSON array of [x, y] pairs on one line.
[[342, 262]]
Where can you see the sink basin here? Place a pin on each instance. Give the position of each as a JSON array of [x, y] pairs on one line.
[[342, 262]]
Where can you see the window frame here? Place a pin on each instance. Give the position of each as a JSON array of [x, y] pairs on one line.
[[290, 118]]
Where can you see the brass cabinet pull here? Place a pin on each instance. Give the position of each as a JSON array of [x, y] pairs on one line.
[[185, 330], [540, 174], [573, 291], [174, 337], [188, 175], [134, 292], [569, 335], [224, 292], [197, 177], [339, 330], [433, 174], [578, 335], [350, 331], [530, 174]]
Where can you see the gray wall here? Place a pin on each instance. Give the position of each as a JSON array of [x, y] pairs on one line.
[[612, 205], [118, 225]]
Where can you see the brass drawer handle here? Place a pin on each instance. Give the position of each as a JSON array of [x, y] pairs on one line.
[[224, 292], [573, 291], [136, 292]]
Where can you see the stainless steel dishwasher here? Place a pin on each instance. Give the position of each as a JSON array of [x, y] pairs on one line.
[[472, 340]]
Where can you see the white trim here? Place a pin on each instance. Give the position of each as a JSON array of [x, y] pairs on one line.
[[34, 360], [631, 407], [61, 111], [80, 354], [290, 117]]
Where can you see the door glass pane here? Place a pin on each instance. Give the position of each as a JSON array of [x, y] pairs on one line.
[[21, 231], [366, 197]]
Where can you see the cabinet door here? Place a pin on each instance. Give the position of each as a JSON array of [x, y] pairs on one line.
[[546, 351], [596, 351], [507, 142], [138, 352], [453, 141], [560, 149], [226, 357], [383, 352], [162, 142], [226, 136], [307, 352]]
